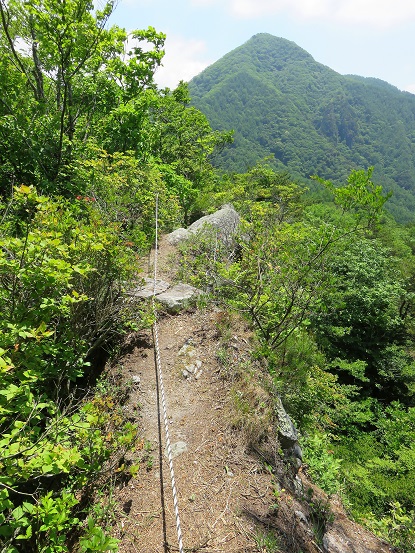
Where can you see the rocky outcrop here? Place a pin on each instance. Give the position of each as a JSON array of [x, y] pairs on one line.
[[345, 536], [287, 434], [225, 221], [177, 236]]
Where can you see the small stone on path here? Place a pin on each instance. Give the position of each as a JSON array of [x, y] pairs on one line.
[[177, 449]]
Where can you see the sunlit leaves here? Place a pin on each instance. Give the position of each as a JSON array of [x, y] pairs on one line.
[[360, 195], [61, 274], [77, 71]]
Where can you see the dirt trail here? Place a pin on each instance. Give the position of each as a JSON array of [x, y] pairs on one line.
[[222, 490], [229, 500]]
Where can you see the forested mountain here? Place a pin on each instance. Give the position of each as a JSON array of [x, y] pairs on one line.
[[281, 102]]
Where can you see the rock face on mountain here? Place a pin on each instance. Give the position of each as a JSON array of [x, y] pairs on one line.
[[225, 221], [287, 434]]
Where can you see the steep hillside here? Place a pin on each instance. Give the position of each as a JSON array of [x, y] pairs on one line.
[[282, 103]]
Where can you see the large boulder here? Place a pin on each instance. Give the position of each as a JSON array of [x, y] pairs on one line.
[[177, 236], [225, 221]]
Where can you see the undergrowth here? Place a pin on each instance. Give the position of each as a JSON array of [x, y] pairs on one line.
[[61, 301]]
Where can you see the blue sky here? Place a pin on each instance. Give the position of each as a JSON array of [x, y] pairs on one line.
[[372, 38]]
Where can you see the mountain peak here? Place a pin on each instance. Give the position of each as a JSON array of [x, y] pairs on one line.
[[269, 52], [277, 45], [310, 119]]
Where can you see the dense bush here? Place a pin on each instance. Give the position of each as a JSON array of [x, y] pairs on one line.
[[61, 274]]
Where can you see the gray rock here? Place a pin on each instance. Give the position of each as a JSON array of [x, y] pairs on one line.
[[177, 236], [334, 542], [188, 349], [178, 297], [146, 290], [287, 432], [177, 449], [298, 486], [174, 298], [301, 516], [297, 452], [226, 221], [136, 379]]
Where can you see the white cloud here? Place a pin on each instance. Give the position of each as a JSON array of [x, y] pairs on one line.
[[374, 13], [410, 88], [183, 60], [382, 13]]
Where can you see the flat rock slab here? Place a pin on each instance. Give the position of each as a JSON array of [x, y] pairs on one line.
[[147, 290], [174, 298], [177, 297]]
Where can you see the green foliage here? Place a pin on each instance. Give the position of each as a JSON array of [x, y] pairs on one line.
[[124, 192], [313, 396], [283, 270], [360, 325], [61, 272], [268, 542], [398, 527], [96, 540], [166, 133], [262, 192], [379, 466], [204, 258], [360, 195], [322, 465], [73, 73]]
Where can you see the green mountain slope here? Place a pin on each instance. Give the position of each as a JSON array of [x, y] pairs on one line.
[[282, 103]]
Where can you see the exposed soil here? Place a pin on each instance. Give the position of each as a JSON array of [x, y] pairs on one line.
[[217, 481], [229, 498]]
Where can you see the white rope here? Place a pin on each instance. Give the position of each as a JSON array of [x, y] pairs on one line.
[[163, 399]]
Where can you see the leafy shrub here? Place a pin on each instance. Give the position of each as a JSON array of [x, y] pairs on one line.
[[123, 191], [61, 274], [323, 466], [204, 257], [398, 527]]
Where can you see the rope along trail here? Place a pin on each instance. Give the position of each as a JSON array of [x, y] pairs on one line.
[[162, 393]]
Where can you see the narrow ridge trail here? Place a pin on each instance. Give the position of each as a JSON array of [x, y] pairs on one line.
[[229, 500], [222, 490]]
